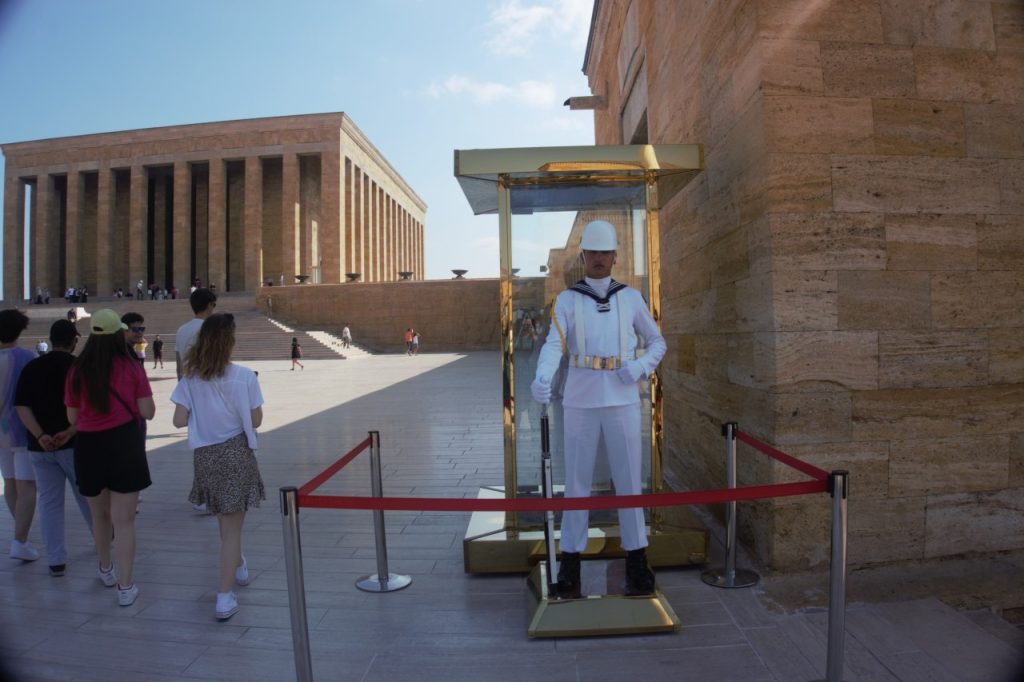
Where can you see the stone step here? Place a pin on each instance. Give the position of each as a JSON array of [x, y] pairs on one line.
[[256, 336]]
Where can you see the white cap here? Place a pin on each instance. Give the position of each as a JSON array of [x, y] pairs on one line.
[[599, 235]]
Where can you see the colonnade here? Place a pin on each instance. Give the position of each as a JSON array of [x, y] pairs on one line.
[[234, 218]]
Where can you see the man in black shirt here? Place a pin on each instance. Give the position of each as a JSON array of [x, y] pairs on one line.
[[39, 399]]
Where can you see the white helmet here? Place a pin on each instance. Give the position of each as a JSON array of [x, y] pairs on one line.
[[599, 235]]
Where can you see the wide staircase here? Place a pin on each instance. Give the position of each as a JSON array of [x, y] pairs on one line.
[[256, 336]]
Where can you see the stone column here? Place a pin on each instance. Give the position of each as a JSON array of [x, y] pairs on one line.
[[73, 213], [375, 234], [14, 236], [421, 265], [252, 241], [217, 229], [181, 259], [289, 217], [137, 247], [45, 247], [332, 243], [359, 226], [104, 219]]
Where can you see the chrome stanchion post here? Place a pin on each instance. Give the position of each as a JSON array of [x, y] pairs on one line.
[[729, 576], [296, 584], [838, 485], [383, 581], [549, 493]]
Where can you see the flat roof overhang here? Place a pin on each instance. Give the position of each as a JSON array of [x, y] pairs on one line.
[[479, 171]]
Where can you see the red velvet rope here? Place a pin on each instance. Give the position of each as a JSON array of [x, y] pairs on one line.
[[334, 468], [751, 492], [804, 467]]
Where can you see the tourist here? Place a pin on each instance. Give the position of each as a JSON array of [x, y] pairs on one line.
[[220, 402], [601, 398], [158, 352], [42, 347], [408, 341], [108, 397], [202, 302], [15, 462], [39, 400], [414, 347], [346, 337], [296, 354], [135, 334]]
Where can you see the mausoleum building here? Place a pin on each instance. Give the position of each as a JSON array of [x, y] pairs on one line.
[[236, 204]]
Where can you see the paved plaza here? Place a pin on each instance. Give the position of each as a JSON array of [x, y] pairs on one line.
[[439, 416]]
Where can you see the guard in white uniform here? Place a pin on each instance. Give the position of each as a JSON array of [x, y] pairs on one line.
[[597, 322]]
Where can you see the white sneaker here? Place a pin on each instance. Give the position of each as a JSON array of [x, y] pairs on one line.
[[201, 508], [108, 576], [126, 595], [242, 573], [24, 551], [227, 605]]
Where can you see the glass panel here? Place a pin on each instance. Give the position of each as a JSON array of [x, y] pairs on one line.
[[546, 225]]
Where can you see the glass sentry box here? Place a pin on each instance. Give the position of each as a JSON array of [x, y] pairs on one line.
[[543, 197]]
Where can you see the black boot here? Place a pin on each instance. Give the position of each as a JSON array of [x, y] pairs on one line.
[[639, 577], [569, 576]]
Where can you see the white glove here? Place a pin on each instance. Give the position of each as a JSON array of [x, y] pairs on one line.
[[630, 372], [541, 390]]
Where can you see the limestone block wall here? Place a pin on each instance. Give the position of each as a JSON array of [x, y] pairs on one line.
[[846, 278], [450, 315]]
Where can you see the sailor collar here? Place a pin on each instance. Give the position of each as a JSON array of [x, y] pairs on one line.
[[603, 303]]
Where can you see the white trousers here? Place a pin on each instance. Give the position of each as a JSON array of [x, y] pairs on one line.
[[583, 428]]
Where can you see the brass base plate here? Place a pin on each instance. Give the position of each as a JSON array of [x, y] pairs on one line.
[[676, 539], [606, 610]]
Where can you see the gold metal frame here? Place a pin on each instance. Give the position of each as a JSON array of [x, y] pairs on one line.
[[487, 177]]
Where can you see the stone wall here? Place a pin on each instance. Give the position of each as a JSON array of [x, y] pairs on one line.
[[450, 315], [846, 278]]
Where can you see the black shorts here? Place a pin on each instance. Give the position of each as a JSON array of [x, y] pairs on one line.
[[113, 459]]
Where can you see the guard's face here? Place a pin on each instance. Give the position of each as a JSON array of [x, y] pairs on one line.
[[598, 264]]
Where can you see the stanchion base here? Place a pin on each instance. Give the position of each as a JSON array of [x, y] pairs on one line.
[[372, 583], [609, 613], [716, 577]]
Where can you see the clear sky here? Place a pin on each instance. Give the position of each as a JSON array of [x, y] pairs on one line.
[[420, 78]]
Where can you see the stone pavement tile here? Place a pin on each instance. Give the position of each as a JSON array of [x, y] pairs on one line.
[[996, 626], [123, 656], [746, 609], [808, 634], [14, 640], [472, 667], [201, 612], [917, 666], [777, 653], [688, 637], [93, 675], [701, 613], [253, 665], [878, 633], [143, 627], [737, 663], [953, 641]]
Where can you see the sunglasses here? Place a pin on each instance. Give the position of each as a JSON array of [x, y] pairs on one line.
[[137, 330]]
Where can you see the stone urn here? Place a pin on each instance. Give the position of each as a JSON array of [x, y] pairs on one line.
[[405, 275], [352, 276], [302, 279], [460, 274]]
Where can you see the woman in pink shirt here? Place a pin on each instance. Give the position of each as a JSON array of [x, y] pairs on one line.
[[108, 395]]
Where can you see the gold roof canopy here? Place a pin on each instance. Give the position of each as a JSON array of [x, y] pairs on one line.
[[480, 170]]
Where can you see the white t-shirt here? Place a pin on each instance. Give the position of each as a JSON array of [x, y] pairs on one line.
[[211, 420], [186, 336]]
